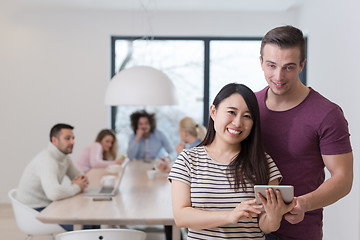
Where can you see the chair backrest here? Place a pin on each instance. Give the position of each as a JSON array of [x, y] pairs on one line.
[[26, 218], [103, 234]]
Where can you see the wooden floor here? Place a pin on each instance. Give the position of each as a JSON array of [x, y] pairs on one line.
[[9, 229]]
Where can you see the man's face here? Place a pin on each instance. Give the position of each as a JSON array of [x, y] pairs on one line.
[[65, 141], [144, 125], [281, 67]]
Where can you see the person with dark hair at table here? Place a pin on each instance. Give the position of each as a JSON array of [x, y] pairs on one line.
[[41, 182], [147, 142]]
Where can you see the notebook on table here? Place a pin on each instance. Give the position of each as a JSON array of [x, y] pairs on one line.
[[101, 191]]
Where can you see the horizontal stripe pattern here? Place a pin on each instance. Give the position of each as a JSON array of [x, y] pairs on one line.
[[210, 191]]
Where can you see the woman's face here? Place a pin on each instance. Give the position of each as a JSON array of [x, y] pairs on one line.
[[144, 125], [107, 142], [232, 120]]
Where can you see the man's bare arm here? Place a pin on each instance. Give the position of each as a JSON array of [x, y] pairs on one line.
[[336, 187]]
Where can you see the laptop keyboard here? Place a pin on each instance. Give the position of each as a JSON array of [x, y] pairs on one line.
[[106, 190]]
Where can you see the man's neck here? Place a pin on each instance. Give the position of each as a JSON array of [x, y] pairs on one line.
[[288, 100]]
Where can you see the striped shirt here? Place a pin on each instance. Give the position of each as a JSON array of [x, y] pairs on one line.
[[211, 191]]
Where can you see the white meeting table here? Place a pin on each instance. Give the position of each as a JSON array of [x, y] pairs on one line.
[[139, 201]]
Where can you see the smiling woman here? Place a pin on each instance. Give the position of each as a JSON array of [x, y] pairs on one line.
[[230, 161], [232, 120]]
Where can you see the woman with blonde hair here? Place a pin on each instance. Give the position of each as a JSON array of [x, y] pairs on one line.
[[101, 153], [191, 134]]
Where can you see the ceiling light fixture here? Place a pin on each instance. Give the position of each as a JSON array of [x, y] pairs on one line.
[[140, 85]]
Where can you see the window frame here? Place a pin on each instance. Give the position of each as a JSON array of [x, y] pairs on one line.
[[206, 40]]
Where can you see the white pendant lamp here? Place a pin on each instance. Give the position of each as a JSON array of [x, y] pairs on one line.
[[140, 85]]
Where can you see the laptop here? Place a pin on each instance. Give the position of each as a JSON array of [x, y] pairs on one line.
[[102, 191]]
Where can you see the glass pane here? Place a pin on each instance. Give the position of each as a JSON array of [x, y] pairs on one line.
[[235, 61], [183, 62]]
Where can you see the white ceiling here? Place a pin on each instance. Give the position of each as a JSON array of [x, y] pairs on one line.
[[171, 5]]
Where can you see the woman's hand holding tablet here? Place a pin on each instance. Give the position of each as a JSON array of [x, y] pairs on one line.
[[286, 191]]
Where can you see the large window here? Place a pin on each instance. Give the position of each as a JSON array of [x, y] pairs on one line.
[[235, 61], [199, 68]]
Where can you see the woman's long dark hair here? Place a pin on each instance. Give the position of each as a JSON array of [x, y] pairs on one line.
[[251, 163]]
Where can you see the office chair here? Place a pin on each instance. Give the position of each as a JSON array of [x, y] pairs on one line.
[[26, 219], [103, 234]]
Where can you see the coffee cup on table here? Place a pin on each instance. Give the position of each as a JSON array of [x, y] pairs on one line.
[[158, 162], [151, 174], [108, 180]]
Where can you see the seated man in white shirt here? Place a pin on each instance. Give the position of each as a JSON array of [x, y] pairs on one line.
[[41, 181]]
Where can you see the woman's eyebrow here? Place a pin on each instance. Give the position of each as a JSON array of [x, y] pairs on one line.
[[235, 108]]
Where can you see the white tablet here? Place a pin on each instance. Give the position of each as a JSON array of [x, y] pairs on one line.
[[287, 192]]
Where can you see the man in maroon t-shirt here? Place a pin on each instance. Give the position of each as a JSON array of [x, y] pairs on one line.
[[303, 132]]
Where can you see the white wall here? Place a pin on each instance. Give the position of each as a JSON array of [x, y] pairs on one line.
[[55, 66], [333, 51]]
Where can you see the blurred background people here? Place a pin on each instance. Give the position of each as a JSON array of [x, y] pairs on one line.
[[191, 134], [147, 142], [101, 153]]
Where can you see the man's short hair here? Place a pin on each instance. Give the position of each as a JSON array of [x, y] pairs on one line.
[[56, 129], [285, 37]]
